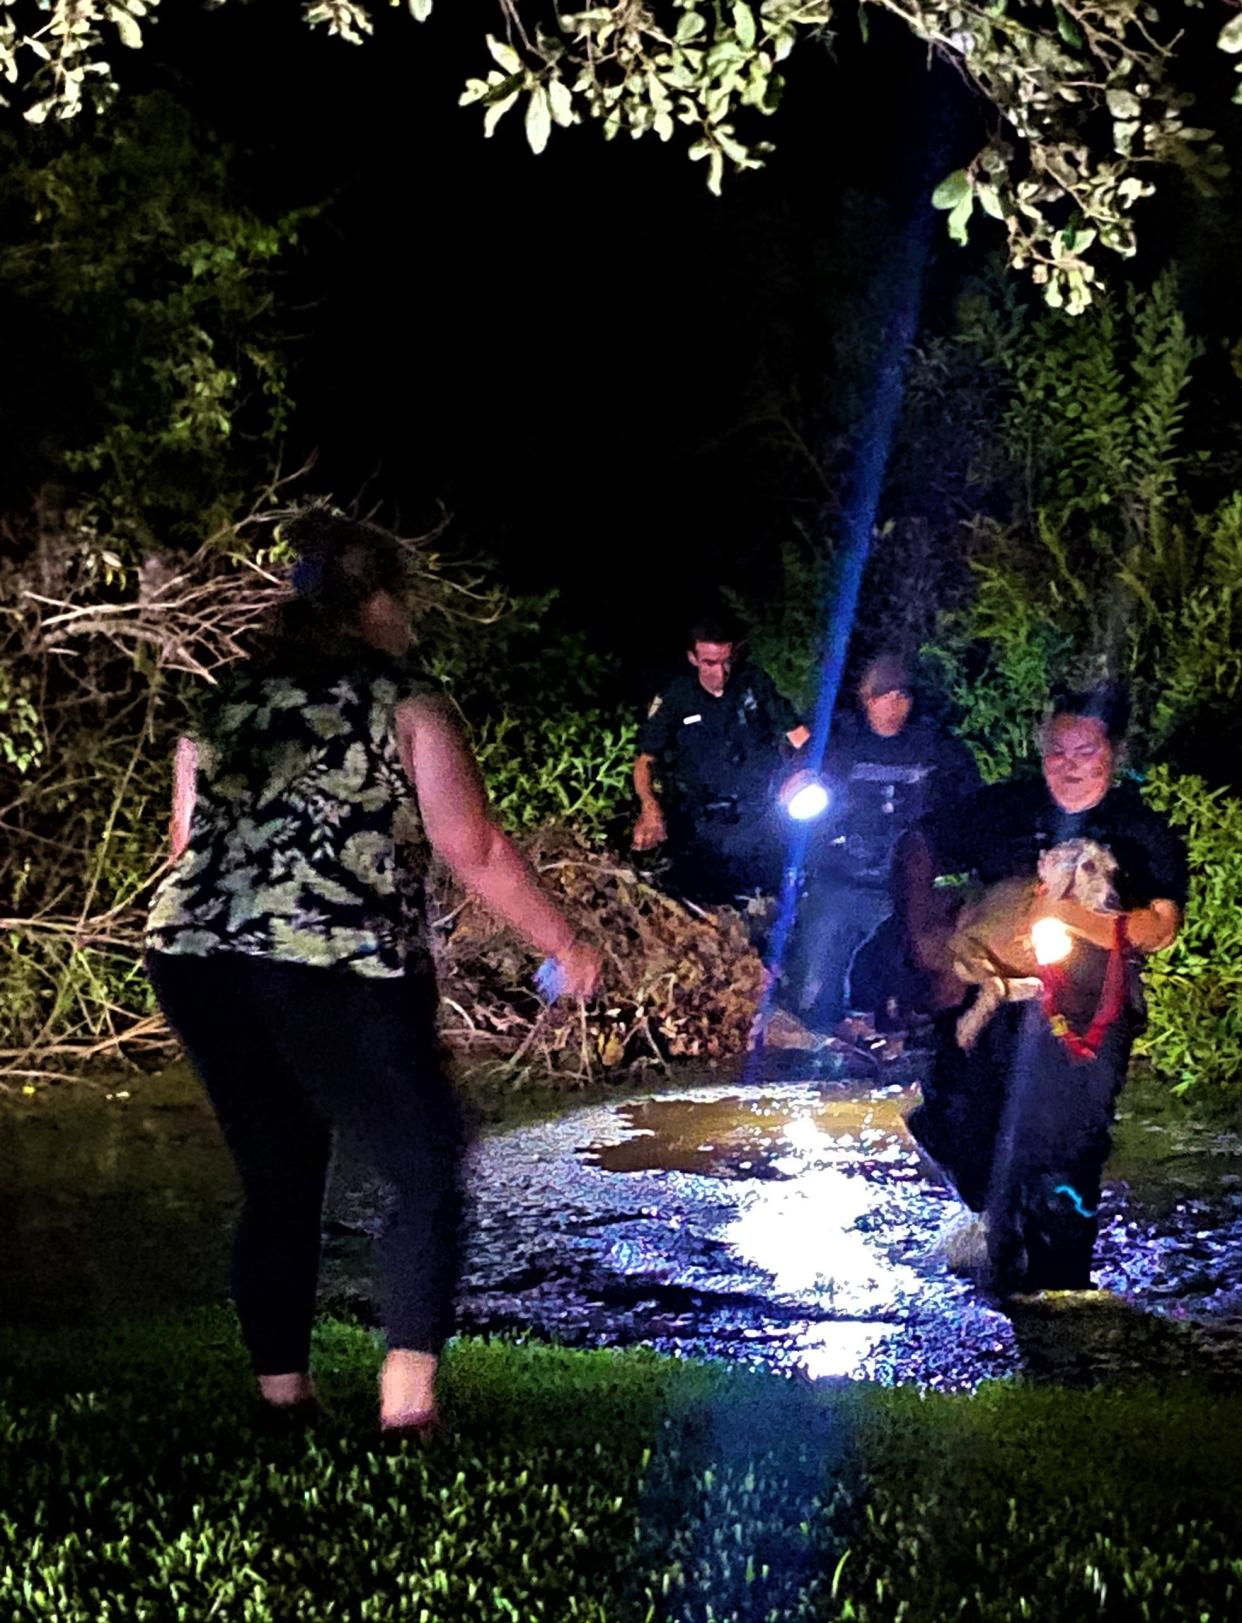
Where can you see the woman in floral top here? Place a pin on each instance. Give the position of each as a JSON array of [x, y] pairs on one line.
[[288, 947]]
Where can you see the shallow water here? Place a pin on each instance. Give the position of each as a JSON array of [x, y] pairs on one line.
[[793, 1225]]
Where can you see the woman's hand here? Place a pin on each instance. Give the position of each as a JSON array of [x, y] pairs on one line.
[[1148, 929], [580, 964]]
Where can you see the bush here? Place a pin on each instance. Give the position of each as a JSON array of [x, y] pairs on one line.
[[1108, 552], [572, 767], [1194, 1034]]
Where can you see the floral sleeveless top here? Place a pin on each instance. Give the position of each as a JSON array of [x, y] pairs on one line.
[[306, 843]]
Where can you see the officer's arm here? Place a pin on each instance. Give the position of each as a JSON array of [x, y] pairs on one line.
[[644, 783], [781, 715], [650, 829]]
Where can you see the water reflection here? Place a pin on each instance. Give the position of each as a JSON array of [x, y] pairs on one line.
[[797, 1228], [793, 1227], [811, 1165]]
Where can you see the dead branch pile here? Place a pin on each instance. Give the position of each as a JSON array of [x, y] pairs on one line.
[[677, 982], [99, 661]]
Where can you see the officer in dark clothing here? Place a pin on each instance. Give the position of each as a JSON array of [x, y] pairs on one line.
[[715, 738], [1021, 1120], [886, 768]]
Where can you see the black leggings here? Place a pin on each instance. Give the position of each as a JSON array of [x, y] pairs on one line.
[[287, 1053]]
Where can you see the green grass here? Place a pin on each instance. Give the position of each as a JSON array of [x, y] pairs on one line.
[[593, 1487]]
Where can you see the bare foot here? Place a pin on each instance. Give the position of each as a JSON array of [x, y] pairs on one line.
[[287, 1391], [407, 1388]]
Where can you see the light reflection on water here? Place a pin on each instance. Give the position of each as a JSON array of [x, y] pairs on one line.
[[813, 1181]]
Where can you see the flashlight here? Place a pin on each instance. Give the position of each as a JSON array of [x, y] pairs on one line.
[[550, 979], [809, 802], [1051, 940]]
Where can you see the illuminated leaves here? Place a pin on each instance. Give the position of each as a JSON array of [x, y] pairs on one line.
[[538, 119], [1230, 41], [1083, 93], [1050, 74], [957, 196]]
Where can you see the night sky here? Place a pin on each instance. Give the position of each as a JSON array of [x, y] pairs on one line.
[[578, 354], [591, 362]]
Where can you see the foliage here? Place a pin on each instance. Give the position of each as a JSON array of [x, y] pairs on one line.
[[138, 301], [567, 766], [1095, 561], [678, 983], [597, 1486], [1194, 1033], [155, 379], [1085, 92]]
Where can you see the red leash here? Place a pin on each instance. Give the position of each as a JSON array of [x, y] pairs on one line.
[[1112, 998]]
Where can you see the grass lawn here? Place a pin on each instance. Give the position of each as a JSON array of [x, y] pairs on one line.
[[139, 1484]]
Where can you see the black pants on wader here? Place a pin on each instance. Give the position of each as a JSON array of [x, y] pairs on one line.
[[1022, 1127], [288, 1053], [718, 854]]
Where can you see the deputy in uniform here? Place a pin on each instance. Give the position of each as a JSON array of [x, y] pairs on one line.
[[712, 744], [887, 767]]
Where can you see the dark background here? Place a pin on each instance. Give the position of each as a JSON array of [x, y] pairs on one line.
[[602, 371], [618, 385]]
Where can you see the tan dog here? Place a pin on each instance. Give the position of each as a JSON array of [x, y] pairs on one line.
[[991, 943]]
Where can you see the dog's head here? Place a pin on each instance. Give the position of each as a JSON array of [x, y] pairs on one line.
[[1081, 871]]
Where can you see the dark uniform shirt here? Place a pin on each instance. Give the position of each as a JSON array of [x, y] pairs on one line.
[[882, 786], [1001, 831], [713, 751]]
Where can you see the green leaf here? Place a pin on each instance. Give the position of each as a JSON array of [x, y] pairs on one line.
[[127, 28], [960, 217], [1230, 37], [1124, 104], [561, 102], [496, 112], [538, 119], [951, 190], [989, 201], [504, 56], [1068, 28], [420, 10], [744, 25]]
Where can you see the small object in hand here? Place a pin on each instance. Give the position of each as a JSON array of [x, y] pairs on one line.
[[551, 980], [1051, 940], [805, 797]]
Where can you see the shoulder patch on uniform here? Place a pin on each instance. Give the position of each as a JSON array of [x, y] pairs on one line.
[[654, 705]]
